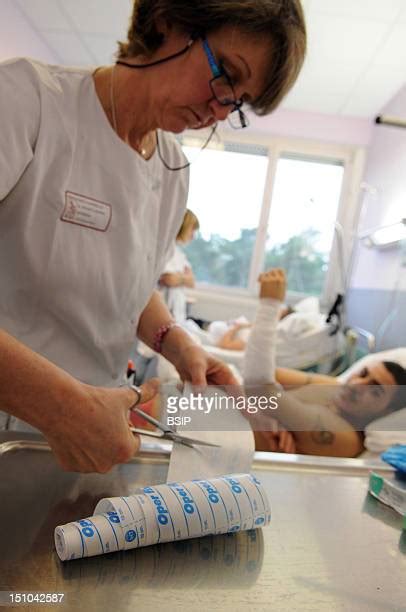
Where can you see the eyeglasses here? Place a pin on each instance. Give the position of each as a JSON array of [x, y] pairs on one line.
[[222, 89]]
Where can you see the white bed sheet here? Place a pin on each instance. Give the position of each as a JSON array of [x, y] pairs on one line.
[[300, 352]]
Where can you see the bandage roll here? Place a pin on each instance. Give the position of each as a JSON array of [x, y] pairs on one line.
[[88, 537], [167, 513], [131, 518]]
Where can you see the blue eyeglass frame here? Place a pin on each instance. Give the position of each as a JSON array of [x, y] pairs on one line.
[[218, 72]]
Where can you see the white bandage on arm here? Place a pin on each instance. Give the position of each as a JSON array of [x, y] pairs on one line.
[[259, 359]]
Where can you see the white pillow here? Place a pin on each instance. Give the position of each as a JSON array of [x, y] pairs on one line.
[[391, 423], [299, 323], [386, 431], [309, 304], [397, 354]]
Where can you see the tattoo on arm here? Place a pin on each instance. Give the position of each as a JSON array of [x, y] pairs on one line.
[[322, 437]]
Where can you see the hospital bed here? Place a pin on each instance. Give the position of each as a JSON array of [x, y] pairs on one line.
[[379, 434], [318, 348], [306, 339]]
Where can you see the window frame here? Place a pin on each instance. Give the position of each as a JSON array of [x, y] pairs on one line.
[[352, 158]]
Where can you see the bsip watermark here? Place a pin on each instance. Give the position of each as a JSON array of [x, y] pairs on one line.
[[181, 409]]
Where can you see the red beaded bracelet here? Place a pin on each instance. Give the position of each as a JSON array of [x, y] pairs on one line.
[[160, 335]]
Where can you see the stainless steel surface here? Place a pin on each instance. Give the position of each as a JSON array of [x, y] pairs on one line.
[[330, 546]]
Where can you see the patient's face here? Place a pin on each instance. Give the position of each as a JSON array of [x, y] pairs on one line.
[[368, 391]]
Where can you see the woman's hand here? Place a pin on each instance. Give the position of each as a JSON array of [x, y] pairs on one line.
[[171, 279], [188, 278], [273, 284], [200, 368], [86, 427], [90, 432]]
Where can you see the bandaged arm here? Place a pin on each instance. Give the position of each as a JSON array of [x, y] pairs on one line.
[[316, 429], [259, 359]]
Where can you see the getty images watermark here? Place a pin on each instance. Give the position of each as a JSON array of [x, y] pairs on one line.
[[315, 407], [180, 410]]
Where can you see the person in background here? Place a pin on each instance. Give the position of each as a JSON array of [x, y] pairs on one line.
[[233, 335], [177, 274], [319, 416]]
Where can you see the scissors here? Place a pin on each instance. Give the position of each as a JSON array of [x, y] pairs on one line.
[[167, 432]]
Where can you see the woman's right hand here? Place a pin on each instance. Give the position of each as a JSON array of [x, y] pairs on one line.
[[91, 432], [273, 284]]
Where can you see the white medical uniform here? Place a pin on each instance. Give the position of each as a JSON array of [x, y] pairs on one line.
[[86, 224], [175, 297]]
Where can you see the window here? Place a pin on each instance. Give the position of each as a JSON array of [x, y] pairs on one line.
[[303, 211], [262, 207], [226, 193]]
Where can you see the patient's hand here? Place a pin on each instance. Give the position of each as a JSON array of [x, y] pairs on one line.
[[273, 284], [277, 442]]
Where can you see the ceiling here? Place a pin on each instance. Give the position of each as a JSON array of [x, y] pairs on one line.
[[356, 60]]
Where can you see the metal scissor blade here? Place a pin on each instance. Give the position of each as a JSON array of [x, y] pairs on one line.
[[172, 436], [147, 432], [169, 433]]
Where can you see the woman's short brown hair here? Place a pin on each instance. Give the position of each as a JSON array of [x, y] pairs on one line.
[[281, 20], [189, 221]]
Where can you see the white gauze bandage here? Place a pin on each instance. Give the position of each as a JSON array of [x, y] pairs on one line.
[[259, 359]]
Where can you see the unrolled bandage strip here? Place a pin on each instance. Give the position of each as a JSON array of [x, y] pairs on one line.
[[165, 513]]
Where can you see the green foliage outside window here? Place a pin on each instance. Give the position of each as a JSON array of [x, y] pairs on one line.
[[305, 266], [219, 261]]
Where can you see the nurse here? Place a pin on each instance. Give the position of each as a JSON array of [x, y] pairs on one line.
[[93, 184], [177, 273]]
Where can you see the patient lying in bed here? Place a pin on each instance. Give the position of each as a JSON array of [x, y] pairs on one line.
[[371, 393], [233, 335], [318, 415]]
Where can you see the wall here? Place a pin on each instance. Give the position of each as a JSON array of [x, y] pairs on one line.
[[313, 126], [18, 38], [377, 295]]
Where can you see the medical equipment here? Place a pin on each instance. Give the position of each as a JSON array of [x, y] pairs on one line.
[[167, 432], [165, 513], [389, 490]]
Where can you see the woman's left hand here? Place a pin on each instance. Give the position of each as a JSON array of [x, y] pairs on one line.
[[200, 368]]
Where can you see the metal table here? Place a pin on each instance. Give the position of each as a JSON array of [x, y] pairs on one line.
[[330, 546]]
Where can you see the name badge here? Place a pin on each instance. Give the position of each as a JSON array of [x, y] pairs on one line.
[[86, 212]]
